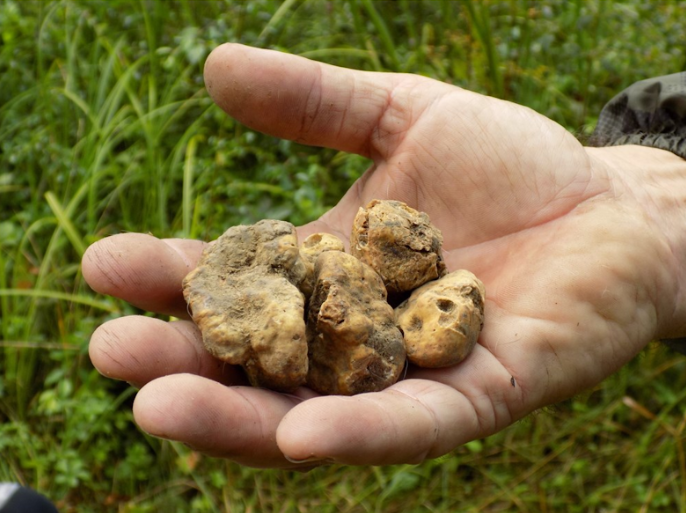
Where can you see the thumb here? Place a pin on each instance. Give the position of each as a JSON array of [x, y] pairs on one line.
[[298, 99]]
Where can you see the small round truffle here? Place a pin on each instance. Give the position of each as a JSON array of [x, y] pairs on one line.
[[441, 320], [399, 243]]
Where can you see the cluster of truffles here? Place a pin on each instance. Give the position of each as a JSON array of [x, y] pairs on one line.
[[314, 315]]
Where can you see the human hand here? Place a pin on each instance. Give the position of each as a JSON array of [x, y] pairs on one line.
[[575, 247]]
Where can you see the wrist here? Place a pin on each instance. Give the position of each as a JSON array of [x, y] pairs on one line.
[[654, 181]]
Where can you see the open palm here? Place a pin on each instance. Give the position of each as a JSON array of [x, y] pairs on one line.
[[577, 273]]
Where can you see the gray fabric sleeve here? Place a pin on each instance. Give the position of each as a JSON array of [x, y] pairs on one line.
[[651, 112]]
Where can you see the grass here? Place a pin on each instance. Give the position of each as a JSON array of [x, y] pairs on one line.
[[105, 127]]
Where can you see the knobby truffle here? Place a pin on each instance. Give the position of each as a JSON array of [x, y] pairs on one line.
[[245, 299], [353, 341], [399, 243], [441, 320], [311, 248]]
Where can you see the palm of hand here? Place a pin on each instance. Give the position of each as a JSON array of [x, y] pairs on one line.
[[520, 203]]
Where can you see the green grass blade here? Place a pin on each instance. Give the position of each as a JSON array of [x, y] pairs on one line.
[[327, 53], [384, 33], [481, 22], [66, 224], [274, 21], [61, 296], [82, 105], [187, 199]]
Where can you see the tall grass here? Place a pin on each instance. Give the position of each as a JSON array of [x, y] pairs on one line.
[[105, 127]]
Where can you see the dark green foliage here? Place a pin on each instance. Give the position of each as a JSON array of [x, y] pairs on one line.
[[105, 127]]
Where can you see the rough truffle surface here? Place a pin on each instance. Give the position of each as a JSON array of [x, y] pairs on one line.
[[310, 249], [354, 344], [441, 320], [244, 297], [399, 243]]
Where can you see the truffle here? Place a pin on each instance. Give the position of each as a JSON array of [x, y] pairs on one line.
[[399, 243], [441, 320], [245, 299], [310, 249], [354, 344]]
